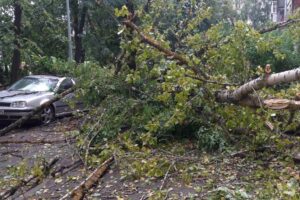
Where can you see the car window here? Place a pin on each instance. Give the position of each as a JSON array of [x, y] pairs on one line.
[[34, 84], [66, 84]]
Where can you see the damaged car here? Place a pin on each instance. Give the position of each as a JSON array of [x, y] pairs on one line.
[[32, 91]]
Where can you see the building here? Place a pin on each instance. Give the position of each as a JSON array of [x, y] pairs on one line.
[[281, 9]]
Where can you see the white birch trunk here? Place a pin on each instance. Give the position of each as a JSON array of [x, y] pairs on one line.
[[257, 84]]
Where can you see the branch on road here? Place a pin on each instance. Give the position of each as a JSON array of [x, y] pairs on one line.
[[44, 141], [79, 192], [37, 110], [11, 191]]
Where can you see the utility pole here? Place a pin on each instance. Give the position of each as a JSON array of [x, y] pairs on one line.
[[70, 53]]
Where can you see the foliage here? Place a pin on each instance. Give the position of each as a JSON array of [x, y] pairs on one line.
[[161, 99]]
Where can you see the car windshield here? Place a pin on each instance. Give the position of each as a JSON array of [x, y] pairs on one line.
[[31, 84]]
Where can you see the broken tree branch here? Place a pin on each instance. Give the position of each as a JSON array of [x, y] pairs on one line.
[[262, 31], [11, 191], [79, 192], [166, 175], [211, 81], [257, 84], [279, 26], [38, 109], [43, 141], [242, 95], [168, 53]]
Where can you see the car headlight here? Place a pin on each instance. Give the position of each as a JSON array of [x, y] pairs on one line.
[[18, 104]]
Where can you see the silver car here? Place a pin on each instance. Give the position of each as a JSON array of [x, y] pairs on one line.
[[32, 91]]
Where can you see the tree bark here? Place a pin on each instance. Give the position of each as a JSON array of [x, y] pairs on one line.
[[242, 95], [38, 109], [78, 26], [79, 192], [257, 84], [16, 59], [279, 26]]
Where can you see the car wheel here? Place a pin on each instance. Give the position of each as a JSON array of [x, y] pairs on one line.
[[47, 115]]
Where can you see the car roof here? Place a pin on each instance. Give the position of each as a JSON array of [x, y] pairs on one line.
[[44, 76]]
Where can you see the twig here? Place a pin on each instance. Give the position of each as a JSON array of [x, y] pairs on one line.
[[211, 82], [75, 151], [92, 139], [166, 175]]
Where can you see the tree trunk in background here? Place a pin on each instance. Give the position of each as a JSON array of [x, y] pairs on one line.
[[131, 59], [78, 27], [16, 59]]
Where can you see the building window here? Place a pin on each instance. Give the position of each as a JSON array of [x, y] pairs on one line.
[[274, 6]]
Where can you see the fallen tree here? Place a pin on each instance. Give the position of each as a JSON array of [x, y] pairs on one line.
[[79, 192], [168, 53], [242, 95], [37, 110], [279, 26], [257, 84]]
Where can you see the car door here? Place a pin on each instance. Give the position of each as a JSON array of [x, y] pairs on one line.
[[63, 106]]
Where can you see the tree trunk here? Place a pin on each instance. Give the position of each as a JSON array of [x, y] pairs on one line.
[[257, 84], [35, 111], [16, 59], [243, 94], [78, 26]]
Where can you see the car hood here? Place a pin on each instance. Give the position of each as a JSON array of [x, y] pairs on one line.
[[12, 96]]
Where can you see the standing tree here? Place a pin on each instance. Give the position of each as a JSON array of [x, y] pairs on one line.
[[79, 11], [16, 59]]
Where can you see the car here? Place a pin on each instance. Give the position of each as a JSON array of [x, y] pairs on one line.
[[32, 91]]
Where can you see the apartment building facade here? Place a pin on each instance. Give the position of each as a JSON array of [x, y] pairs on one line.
[[279, 9]]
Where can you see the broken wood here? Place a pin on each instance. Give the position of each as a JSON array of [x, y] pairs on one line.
[[242, 95], [37, 110], [272, 104], [168, 53], [11, 191], [79, 192], [279, 26], [244, 153], [44, 141], [257, 84]]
